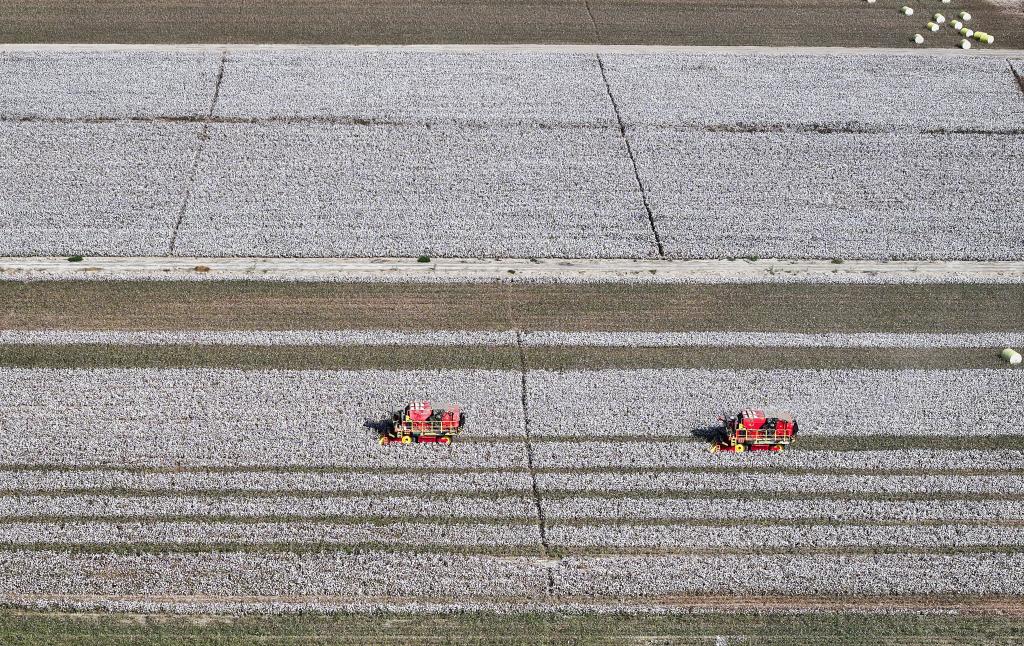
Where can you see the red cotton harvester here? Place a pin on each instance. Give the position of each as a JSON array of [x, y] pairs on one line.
[[420, 423], [757, 430]]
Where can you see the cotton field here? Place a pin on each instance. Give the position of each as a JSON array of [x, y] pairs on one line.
[[173, 478], [289, 152], [229, 446]]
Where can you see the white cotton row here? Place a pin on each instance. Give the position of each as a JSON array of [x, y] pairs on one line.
[[245, 418], [825, 402], [373, 506], [421, 536], [740, 509], [769, 483], [779, 538], [384, 579], [426, 483], [261, 338], [660, 455]]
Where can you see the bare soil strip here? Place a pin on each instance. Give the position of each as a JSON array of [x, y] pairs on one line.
[[676, 22], [485, 357], [254, 305]]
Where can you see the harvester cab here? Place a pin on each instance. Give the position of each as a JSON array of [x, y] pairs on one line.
[[757, 430], [420, 423]]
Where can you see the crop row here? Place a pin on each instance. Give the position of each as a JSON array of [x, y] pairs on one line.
[[418, 536], [316, 578], [424, 483], [278, 575], [766, 537], [759, 91], [421, 537], [262, 338], [92, 188], [721, 507], [70, 83], [510, 192], [903, 574], [81, 505], [768, 339], [399, 191], [225, 417], [381, 85], [826, 402], [768, 483], [726, 508], [428, 483], [892, 196]]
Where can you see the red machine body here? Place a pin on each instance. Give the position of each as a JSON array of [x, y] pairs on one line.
[[421, 423], [757, 430]]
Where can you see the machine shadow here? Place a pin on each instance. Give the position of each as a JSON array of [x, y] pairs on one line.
[[380, 427], [710, 434]]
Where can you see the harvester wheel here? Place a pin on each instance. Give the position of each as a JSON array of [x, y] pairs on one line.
[[444, 440], [407, 439], [740, 448]]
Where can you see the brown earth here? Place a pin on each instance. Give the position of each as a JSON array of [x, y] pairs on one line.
[[242, 305], [486, 357], [660, 22]]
